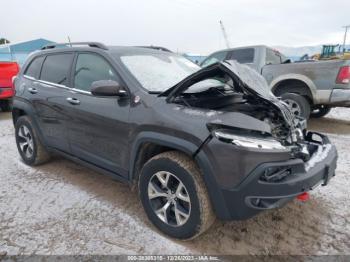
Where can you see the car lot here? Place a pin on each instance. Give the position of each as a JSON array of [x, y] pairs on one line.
[[64, 208]]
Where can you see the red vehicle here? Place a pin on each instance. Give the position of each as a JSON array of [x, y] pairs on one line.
[[7, 71]]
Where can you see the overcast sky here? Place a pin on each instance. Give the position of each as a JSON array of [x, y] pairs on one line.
[[183, 25]]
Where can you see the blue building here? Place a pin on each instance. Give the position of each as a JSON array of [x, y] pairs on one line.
[[19, 51]]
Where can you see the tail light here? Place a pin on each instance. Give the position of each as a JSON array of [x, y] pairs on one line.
[[343, 75]]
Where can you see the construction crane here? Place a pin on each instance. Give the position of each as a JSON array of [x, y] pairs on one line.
[[224, 34], [344, 42]]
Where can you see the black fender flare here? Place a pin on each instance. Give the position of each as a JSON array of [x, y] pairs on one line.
[[159, 139], [215, 192], [22, 104]]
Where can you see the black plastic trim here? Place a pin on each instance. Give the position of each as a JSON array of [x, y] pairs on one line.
[[237, 200]]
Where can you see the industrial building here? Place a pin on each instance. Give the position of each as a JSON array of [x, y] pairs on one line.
[[19, 51]]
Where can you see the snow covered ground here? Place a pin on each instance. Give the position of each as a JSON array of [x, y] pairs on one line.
[[63, 208]]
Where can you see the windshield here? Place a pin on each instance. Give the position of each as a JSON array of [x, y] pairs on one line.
[[159, 72]]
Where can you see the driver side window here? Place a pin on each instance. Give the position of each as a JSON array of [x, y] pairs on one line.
[[90, 68]]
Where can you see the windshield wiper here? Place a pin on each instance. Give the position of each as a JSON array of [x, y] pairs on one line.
[[154, 92]]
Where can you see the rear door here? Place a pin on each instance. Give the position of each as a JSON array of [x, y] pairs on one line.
[[48, 96], [98, 126]]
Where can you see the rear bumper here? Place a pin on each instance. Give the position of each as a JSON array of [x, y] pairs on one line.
[[254, 195], [340, 97], [6, 93]]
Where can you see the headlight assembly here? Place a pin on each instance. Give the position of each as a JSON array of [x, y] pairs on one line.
[[248, 141]]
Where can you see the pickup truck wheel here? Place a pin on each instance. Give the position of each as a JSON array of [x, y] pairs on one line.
[[174, 195], [29, 146], [6, 105], [321, 111], [298, 104]]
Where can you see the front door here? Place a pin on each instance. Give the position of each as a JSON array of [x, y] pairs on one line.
[[99, 126]]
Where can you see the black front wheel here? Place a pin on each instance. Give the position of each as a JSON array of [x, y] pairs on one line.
[[174, 195]]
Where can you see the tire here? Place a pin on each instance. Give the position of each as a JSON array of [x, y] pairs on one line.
[[298, 104], [28, 143], [6, 105], [320, 111], [179, 168]]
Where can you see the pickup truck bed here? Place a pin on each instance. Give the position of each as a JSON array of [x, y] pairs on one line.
[[311, 87], [319, 76]]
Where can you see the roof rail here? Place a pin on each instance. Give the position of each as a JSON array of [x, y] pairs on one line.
[[91, 44], [160, 48]]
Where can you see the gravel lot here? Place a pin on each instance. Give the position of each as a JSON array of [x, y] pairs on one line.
[[63, 208]]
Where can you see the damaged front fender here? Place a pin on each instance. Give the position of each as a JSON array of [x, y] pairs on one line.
[[236, 120], [246, 84]]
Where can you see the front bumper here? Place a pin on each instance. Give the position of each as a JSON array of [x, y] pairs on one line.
[[254, 194]]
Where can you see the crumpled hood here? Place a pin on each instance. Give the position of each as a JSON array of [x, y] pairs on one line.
[[249, 80], [248, 77]]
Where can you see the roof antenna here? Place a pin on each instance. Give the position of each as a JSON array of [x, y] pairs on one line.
[[69, 41]]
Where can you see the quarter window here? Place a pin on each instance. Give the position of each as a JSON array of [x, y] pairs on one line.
[[34, 68], [56, 68], [91, 68], [272, 57]]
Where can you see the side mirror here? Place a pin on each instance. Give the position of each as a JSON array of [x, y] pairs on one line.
[[107, 88]]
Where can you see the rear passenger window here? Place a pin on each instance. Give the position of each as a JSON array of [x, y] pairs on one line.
[[56, 68], [243, 56], [34, 67], [91, 68]]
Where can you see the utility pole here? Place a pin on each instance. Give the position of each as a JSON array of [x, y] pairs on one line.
[[346, 31], [224, 33]]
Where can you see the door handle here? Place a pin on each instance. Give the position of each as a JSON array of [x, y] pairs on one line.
[[32, 90], [73, 101]]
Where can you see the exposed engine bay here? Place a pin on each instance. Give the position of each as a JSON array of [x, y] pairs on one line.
[[221, 91], [228, 100]]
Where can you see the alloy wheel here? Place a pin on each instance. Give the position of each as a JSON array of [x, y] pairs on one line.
[[25, 141], [169, 198], [294, 106]]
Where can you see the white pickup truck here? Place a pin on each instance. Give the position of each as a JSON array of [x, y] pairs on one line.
[[310, 88]]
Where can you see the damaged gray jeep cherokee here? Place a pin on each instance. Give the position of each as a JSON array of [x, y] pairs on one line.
[[197, 143]]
